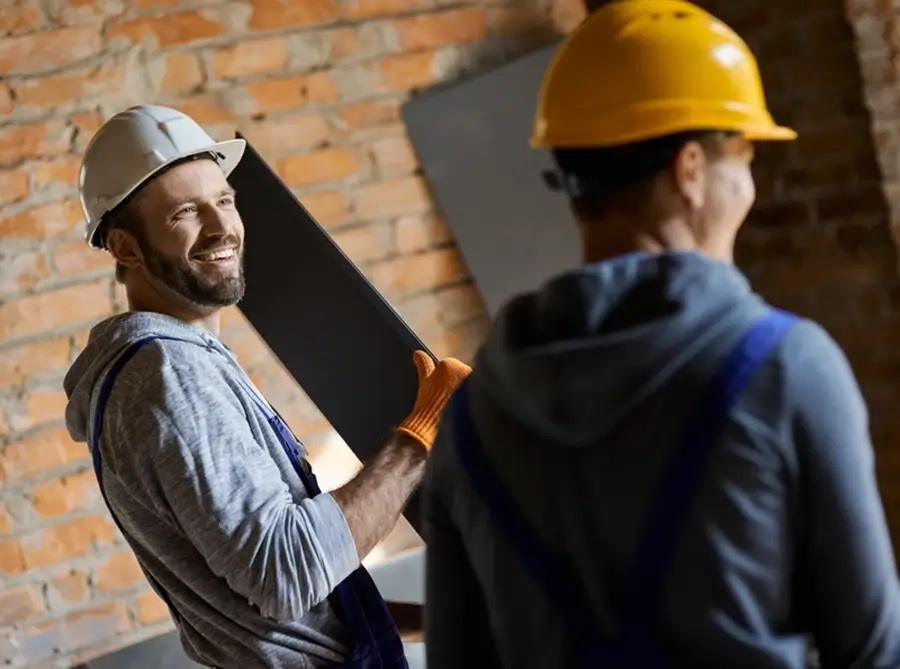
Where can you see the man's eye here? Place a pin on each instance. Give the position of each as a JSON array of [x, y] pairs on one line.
[[184, 211], [226, 201]]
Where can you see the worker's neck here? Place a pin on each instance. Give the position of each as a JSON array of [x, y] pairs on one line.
[[144, 297], [603, 240]]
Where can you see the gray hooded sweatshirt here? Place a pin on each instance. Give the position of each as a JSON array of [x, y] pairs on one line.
[[208, 501], [579, 395]]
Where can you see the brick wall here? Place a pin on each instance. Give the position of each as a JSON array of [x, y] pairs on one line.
[[316, 86]]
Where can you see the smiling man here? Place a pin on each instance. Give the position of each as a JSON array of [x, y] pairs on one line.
[[210, 488]]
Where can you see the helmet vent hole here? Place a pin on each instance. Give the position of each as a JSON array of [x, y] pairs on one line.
[[682, 15]]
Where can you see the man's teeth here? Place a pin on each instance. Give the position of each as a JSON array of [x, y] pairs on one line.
[[218, 255]]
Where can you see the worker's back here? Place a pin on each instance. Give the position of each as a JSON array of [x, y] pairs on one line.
[[580, 396]]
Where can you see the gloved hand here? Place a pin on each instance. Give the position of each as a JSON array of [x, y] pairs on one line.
[[436, 386]]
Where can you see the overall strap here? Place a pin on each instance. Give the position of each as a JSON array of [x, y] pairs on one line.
[[671, 505], [669, 509], [547, 567], [97, 433]]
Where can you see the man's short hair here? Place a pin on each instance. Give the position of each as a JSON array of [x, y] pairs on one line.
[[598, 177]]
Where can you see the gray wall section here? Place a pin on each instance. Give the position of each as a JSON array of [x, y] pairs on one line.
[[472, 143]]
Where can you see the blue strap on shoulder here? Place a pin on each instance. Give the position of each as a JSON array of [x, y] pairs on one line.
[[668, 512], [97, 433]]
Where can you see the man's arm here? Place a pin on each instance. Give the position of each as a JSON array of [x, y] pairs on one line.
[[373, 500], [845, 559]]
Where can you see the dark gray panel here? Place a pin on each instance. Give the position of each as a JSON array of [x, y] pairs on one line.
[[338, 337], [472, 142]]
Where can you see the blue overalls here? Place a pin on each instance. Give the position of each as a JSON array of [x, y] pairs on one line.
[[376, 642], [636, 645]]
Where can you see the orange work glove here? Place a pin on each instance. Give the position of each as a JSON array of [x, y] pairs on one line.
[[436, 386]]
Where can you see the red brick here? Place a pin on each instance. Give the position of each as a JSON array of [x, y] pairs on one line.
[[394, 156], [12, 560], [86, 125], [18, 604], [249, 58], [67, 588], [20, 363], [42, 407], [364, 243], [280, 14], [36, 140], [70, 88], [166, 30], [153, 4], [286, 133], [318, 167], [39, 453], [60, 172], [293, 92], [6, 104], [363, 9], [408, 71], [50, 220], [327, 207], [19, 16], [389, 198], [60, 543], [345, 43], [6, 521], [459, 303], [23, 271], [422, 271], [50, 49], [75, 258], [81, 11], [851, 203], [455, 26], [205, 108], [419, 231], [52, 309], [791, 213], [369, 114], [119, 572], [150, 609], [181, 72], [61, 496]]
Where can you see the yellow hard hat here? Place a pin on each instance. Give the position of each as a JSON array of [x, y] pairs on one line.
[[640, 69]]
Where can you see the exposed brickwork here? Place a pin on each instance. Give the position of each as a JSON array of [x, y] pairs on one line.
[[317, 87]]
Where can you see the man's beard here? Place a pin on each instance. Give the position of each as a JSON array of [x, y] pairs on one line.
[[178, 275]]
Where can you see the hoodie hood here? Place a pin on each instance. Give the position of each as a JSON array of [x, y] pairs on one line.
[[572, 360], [106, 341]]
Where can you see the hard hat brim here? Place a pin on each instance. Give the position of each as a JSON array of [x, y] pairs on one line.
[[229, 154]]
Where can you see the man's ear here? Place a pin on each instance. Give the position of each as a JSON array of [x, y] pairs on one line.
[[124, 248], [689, 174]]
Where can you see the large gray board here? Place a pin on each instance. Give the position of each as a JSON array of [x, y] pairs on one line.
[[472, 143]]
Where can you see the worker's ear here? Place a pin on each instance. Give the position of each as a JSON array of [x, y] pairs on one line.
[[689, 174], [124, 247]]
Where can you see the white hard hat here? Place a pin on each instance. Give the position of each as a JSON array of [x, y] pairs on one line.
[[134, 145]]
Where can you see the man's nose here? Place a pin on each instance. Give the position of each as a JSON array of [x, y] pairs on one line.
[[216, 223]]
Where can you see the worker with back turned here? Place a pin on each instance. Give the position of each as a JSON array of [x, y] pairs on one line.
[[649, 465]]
